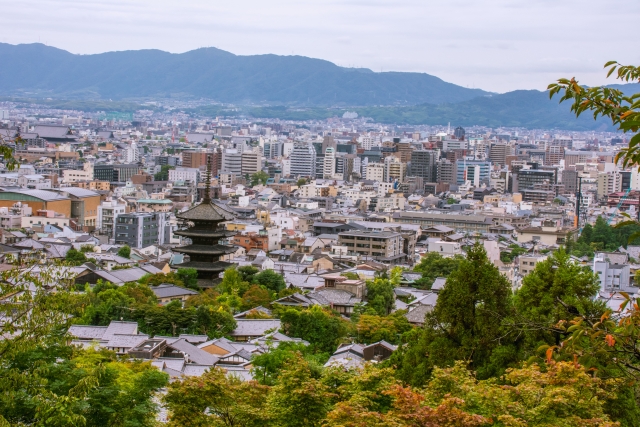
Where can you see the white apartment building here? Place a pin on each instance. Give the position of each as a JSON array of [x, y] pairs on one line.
[[184, 174], [375, 172], [108, 211], [329, 164]]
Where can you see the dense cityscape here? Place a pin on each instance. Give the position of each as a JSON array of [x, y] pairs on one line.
[[319, 214]]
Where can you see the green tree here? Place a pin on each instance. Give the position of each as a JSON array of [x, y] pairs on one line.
[[372, 328], [380, 296], [75, 257], [255, 296], [86, 248], [466, 324], [298, 399], [259, 177], [320, 327], [271, 280], [189, 277], [233, 282], [125, 252], [216, 399], [301, 182], [555, 291], [434, 265], [248, 272]]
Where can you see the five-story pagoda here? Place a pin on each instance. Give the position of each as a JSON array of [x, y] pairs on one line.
[[203, 228]]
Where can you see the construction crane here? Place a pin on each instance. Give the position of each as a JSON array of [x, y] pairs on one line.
[[622, 199]]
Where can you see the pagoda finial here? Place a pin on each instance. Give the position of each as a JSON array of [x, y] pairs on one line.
[[207, 184]]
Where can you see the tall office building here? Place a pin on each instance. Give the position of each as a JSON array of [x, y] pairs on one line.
[[424, 165], [475, 171], [303, 160], [498, 153], [459, 132], [446, 172]]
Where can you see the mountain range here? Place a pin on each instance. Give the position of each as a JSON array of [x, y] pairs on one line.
[[271, 86], [36, 69]]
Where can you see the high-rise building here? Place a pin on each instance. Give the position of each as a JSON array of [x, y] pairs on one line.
[[303, 160], [231, 161], [608, 182], [139, 230], [570, 180], [394, 169], [446, 172], [424, 164], [475, 171], [329, 164], [498, 153], [251, 162], [459, 132]]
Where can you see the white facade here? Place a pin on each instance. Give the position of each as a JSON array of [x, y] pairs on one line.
[[329, 164], [184, 174]]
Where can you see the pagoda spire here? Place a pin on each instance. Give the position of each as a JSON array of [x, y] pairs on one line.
[[207, 184]]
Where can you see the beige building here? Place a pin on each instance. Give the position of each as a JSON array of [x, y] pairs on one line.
[[527, 262], [375, 172], [394, 169], [383, 245], [547, 234]]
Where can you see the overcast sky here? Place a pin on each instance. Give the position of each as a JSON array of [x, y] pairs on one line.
[[496, 45]]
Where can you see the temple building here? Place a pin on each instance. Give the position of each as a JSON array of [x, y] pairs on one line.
[[207, 239]]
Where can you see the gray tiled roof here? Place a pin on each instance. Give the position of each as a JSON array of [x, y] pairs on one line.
[[166, 290], [195, 354], [87, 332], [255, 327], [120, 328], [126, 340], [417, 314]]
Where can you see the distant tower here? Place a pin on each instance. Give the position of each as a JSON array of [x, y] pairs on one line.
[[459, 133]]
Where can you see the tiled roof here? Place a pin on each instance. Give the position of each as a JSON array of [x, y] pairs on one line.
[[213, 211], [195, 354], [166, 290], [255, 327]]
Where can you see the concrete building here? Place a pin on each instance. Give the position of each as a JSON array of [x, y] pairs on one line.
[[424, 164], [329, 164], [460, 223], [608, 182], [613, 277], [498, 153], [303, 160], [394, 169], [375, 172], [115, 173], [184, 174], [385, 246], [475, 171], [251, 162], [108, 211], [139, 230]]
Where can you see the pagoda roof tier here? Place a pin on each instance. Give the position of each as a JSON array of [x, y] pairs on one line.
[[193, 232], [206, 249], [212, 211], [205, 266]]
